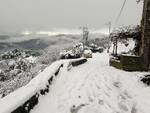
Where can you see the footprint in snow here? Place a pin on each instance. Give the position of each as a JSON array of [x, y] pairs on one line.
[[117, 84], [76, 109]]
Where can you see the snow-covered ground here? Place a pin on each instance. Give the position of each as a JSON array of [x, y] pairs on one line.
[[95, 87]]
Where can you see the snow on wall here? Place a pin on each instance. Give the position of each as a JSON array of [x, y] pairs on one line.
[[21, 99], [18, 97]]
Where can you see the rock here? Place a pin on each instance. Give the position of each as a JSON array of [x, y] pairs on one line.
[[87, 54], [146, 79]]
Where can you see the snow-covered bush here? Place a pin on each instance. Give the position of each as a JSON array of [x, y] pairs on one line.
[[18, 81], [16, 53], [15, 67], [95, 48], [75, 51], [11, 54], [23, 65]]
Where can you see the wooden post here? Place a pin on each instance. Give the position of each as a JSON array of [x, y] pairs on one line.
[[116, 48], [113, 48]]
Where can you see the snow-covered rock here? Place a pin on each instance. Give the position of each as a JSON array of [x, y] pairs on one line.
[[87, 54]]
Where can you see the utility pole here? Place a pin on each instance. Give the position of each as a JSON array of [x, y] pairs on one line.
[[145, 41], [85, 35]]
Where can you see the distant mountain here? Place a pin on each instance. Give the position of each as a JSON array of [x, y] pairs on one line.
[[39, 42], [33, 44]]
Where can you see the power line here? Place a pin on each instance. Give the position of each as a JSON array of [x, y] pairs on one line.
[[121, 10]]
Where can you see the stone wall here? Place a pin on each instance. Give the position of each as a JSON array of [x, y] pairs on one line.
[[29, 104], [115, 63], [132, 63], [129, 63], [33, 101]]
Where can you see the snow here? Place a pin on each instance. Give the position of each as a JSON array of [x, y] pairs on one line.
[[95, 87]]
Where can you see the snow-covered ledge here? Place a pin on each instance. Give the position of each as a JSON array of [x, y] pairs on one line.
[[26, 97]]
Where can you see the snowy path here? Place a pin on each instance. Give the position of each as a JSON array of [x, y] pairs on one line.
[[94, 87]]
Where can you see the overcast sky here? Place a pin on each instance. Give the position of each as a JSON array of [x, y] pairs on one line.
[[18, 15]]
